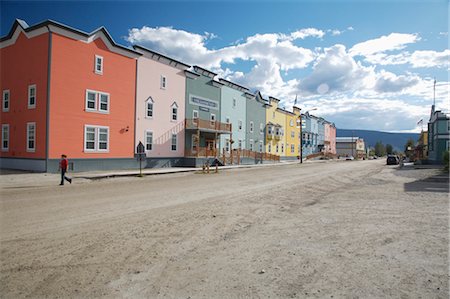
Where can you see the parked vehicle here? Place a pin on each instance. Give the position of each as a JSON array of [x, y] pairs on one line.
[[392, 160], [349, 158]]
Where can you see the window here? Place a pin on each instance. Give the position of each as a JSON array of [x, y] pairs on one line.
[[194, 114], [96, 138], [5, 137], [227, 145], [251, 127], [31, 96], [270, 130], [148, 140], [5, 105], [276, 149], [163, 82], [227, 119], [240, 144], [234, 103], [292, 134], [31, 137], [260, 146], [240, 125], [174, 142], [213, 119], [174, 108], [194, 143], [269, 149], [149, 108], [98, 64], [291, 123], [251, 144], [282, 147], [261, 128], [97, 101], [292, 148]]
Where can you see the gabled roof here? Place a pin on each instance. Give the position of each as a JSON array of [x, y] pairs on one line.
[[161, 58], [53, 26]]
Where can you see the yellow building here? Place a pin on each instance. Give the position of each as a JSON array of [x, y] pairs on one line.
[[275, 128], [292, 133]]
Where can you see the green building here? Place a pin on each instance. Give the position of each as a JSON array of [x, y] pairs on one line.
[[438, 135]]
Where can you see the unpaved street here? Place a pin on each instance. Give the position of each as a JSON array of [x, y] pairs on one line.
[[329, 230]]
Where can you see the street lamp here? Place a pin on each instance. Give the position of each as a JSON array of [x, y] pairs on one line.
[[299, 122]]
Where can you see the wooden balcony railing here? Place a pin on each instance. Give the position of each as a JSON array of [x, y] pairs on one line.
[[201, 152], [234, 157], [197, 123]]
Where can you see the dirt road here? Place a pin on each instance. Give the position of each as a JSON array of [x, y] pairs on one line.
[[328, 230]]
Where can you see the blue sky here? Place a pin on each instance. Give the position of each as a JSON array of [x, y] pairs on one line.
[[363, 64]]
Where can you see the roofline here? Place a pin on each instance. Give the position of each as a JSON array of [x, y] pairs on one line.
[[48, 22], [159, 54], [233, 84], [205, 70]]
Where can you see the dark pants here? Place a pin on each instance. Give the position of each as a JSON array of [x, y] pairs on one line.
[[63, 177]]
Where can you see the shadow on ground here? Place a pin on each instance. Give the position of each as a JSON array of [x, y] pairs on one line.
[[436, 183]]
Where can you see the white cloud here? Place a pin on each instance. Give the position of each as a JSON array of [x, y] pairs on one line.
[[336, 71], [393, 41], [389, 82], [303, 33], [417, 59]]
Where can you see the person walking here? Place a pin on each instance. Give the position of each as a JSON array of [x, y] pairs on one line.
[[63, 167]]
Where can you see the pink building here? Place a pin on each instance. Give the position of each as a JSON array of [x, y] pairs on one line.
[[160, 107], [330, 138]]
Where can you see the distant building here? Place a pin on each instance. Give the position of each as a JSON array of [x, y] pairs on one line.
[[350, 146], [330, 139], [438, 135], [421, 149]]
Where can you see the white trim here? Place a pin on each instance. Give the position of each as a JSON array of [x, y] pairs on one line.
[[251, 144], [251, 127], [30, 87], [261, 128], [194, 112], [149, 99], [211, 118], [31, 149], [99, 72], [6, 92], [146, 143], [171, 142], [96, 139], [5, 149], [192, 143], [174, 106], [240, 125], [97, 103]]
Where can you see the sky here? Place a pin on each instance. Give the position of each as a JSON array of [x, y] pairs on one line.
[[361, 64]]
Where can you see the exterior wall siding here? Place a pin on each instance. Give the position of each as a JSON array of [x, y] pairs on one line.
[[25, 63], [72, 75], [235, 114], [160, 124], [256, 114]]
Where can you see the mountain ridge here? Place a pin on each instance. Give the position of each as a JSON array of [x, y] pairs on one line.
[[397, 140]]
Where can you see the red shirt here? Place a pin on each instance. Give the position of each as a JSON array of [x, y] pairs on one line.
[[63, 164]]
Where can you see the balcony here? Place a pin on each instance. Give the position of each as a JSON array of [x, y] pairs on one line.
[[207, 125]]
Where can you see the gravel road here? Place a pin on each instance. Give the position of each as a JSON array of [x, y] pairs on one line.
[[318, 230]]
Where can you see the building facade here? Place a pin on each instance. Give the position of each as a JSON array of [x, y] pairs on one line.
[[160, 108], [256, 122], [350, 147], [310, 134], [438, 135], [292, 149], [78, 98], [275, 127], [329, 138], [233, 105]]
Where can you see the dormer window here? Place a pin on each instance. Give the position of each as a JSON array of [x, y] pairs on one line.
[[98, 64], [149, 108], [174, 109]]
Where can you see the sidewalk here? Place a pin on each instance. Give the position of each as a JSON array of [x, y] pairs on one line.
[[18, 179]]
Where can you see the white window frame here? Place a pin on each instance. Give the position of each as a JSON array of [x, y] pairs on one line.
[[239, 125], [212, 119], [292, 148], [234, 103], [227, 145], [227, 119], [291, 123], [277, 148], [147, 134], [171, 142], [251, 145], [4, 100], [174, 106], [149, 101], [163, 82], [240, 144], [5, 126], [97, 101], [251, 127], [31, 149], [292, 134], [96, 139], [261, 128], [269, 148], [99, 72], [195, 114], [194, 143], [31, 87], [261, 146]]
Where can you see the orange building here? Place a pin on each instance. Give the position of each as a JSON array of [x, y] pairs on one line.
[[66, 91]]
